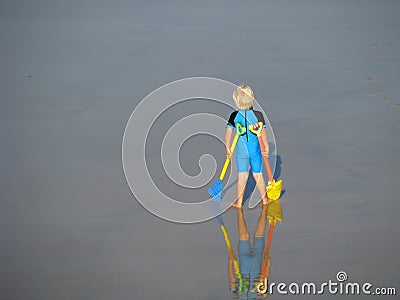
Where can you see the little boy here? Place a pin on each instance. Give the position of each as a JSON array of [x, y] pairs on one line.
[[248, 148]]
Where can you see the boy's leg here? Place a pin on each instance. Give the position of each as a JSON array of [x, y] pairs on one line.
[[259, 235], [244, 248], [256, 166], [242, 226], [262, 189], [262, 222], [241, 187]]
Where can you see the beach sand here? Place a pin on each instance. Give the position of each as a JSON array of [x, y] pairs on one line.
[[327, 74]]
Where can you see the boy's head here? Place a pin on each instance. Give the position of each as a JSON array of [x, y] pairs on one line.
[[243, 97]]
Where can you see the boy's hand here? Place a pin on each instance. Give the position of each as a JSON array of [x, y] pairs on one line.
[[228, 152], [255, 126], [231, 253]]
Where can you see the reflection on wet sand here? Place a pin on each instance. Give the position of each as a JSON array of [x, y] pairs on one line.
[[250, 270]]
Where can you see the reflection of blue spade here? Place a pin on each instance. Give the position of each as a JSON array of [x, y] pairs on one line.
[[216, 210], [230, 250]]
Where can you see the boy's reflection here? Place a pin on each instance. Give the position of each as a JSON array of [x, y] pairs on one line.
[[252, 268]]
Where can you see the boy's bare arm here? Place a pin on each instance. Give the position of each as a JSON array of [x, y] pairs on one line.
[[265, 141], [231, 274], [228, 138]]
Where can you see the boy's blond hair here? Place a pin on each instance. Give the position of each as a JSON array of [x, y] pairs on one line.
[[243, 97]]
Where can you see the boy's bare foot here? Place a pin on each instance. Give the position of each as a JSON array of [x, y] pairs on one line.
[[237, 204], [267, 201]]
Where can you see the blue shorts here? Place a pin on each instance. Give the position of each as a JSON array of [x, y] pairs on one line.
[[250, 259], [242, 164]]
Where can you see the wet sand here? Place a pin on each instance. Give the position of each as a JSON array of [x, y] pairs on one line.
[[327, 74]]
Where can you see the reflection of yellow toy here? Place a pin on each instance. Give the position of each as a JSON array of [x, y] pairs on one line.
[[274, 214], [274, 188]]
